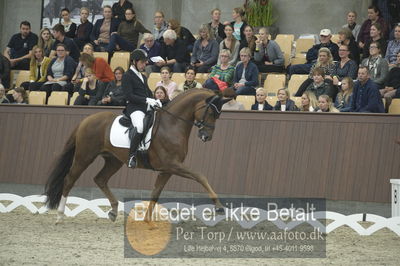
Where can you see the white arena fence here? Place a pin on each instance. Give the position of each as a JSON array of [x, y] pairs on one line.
[[338, 220]]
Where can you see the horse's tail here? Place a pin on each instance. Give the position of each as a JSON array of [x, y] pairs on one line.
[[60, 168]]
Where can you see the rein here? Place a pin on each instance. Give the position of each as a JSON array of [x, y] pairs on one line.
[[199, 124]]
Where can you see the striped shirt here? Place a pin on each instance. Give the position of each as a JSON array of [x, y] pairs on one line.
[[224, 75]]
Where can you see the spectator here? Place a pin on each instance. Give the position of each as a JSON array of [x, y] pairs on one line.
[[326, 63], [221, 74], [377, 65], [46, 41], [238, 24], [366, 96], [313, 53], [3, 98], [89, 89], [166, 81], [245, 78], [231, 44], [84, 29], [308, 102], [344, 99], [374, 16], [160, 26], [392, 85], [249, 39], [216, 27], [284, 102], [346, 38], [189, 83], [383, 6], [20, 96], [99, 67], [232, 105], [4, 71], [182, 33], [152, 49], [205, 51], [268, 55], [325, 105], [375, 36], [173, 52], [59, 35], [88, 49], [320, 86], [160, 93], [127, 35], [113, 94], [119, 8], [345, 67], [80, 69], [60, 71], [38, 70], [19, 48], [69, 26], [261, 104], [352, 24], [394, 10], [393, 48], [102, 30]]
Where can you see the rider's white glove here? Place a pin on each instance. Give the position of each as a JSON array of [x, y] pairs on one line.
[[158, 102], [153, 102]]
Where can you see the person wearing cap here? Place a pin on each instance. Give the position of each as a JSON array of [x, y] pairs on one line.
[[139, 100], [312, 53]]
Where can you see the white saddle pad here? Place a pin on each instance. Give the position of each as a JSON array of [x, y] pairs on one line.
[[119, 136]]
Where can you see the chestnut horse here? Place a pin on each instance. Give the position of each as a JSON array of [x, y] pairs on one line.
[[167, 151]]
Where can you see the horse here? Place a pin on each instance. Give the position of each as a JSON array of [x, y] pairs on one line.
[[168, 149]]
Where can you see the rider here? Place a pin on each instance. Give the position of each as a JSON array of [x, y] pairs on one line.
[[139, 100]]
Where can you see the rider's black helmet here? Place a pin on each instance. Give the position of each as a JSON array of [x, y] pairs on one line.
[[137, 55]]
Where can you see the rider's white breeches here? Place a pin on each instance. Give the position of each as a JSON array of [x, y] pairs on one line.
[[137, 120]]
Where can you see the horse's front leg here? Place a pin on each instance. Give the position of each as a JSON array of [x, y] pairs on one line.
[[183, 171], [162, 179]]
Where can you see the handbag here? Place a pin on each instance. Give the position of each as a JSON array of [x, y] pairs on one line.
[[222, 85]]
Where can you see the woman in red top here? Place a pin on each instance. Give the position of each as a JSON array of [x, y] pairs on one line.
[[100, 67]]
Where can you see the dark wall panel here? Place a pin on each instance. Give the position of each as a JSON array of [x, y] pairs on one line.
[[337, 156]]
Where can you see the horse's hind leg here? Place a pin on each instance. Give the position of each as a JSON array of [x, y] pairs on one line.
[[162, 179], [77, 168], [111, 166]]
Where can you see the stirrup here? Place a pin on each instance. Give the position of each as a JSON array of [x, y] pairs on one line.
[[132, 162]]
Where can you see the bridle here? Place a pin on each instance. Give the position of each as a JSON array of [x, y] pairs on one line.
[[202, 123]]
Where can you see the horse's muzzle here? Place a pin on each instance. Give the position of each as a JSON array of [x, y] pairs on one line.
[[204, 136]]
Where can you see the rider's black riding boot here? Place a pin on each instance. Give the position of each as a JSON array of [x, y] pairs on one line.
[[135, 141]]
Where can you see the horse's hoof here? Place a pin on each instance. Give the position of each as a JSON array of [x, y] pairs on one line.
[[112, 216], [219, 210], [59, 220]]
